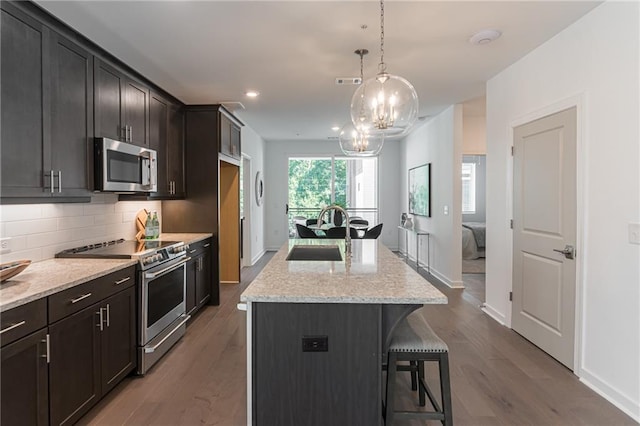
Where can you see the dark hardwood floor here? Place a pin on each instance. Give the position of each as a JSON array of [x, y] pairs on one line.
[[498, 377]]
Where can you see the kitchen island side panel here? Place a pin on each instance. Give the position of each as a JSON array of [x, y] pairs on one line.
[[341, 385]]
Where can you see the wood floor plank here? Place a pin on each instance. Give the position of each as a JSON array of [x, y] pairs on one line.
[[498, 378]]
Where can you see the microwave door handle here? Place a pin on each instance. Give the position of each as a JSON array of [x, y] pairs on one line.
[[148, 169]]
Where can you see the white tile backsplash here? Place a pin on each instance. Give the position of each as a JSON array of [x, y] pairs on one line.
[[39, 231], [27, 227]]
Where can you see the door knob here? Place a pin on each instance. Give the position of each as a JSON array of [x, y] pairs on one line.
[[569, 251]]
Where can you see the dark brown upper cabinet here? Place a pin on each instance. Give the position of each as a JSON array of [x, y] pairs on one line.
[[166, 136], [46, 118], [121, 105], [229, 136]]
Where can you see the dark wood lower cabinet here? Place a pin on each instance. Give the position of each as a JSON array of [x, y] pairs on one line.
[[316, 364], [25, 385], [118, 338], [199, 275], [91, 351], [74, 370]]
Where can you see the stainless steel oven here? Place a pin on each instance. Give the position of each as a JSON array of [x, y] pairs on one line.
[[161, 290], [162, 308]]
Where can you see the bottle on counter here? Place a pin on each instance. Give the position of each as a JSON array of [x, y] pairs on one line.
[[148, 227], [156, 226]]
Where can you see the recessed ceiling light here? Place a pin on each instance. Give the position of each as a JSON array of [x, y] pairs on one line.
[[335, 128], [252, 94], [484, 36]]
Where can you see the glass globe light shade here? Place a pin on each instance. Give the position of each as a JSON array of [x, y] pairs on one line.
[[386, 103], [360, 142]]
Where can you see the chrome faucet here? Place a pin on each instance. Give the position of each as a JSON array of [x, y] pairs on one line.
[[347, 237]]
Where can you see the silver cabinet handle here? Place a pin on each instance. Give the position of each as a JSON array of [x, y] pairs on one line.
[[12, 326], [206, 245], [124, 280], [77, 299], [52, 182], [59, 181], [569, 251], [99, 313], [47, 354], [192, 251], [108, 316], [130, 133]]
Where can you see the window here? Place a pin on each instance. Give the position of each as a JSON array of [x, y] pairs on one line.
[[317, 182], [468, 188]]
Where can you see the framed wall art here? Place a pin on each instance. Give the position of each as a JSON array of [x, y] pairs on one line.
[[420, 190]]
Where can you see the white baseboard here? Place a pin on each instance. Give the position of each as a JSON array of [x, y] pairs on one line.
[[257, 257], [487, 309], [608, 392], [446, 280]]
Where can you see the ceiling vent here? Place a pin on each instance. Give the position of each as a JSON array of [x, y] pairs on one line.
[[348, 80]]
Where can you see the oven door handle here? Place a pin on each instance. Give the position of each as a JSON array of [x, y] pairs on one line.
[[157, 345], [154, 275]]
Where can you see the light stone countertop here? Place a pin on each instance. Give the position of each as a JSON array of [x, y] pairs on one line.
[[45, 278], [42, 279], [374, 275]]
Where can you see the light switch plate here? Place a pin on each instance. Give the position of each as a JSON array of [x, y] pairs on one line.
[[634, 233], [446, 210]]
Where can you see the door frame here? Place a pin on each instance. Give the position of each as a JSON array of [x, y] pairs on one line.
[[578, 101], [247, 193]]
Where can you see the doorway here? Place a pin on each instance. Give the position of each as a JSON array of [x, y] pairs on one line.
[[229, 229], [544, 233]]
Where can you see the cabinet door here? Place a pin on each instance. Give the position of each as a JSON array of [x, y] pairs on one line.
[[225, 135], [175, 151], [108, 94], [158, 116], [25, 153], [203, 278], [71, 116], [24, 378], [118, 337], [234, 141], [74, 369], [192, 267], [137, 112]]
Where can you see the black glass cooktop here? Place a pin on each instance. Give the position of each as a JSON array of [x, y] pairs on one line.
[[116, 249]]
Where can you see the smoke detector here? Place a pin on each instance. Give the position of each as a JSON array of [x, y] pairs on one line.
[[484, 36]]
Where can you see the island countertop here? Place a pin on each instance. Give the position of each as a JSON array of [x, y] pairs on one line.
[[372, 275]]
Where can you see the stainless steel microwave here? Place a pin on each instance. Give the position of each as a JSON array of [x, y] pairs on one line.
[[123, 167]]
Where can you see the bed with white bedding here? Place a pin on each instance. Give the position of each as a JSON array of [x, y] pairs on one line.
[[473, 240]]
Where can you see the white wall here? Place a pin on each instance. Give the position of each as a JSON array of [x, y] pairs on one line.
[[253, 146], [277, 154], [439, 142], [39, 231], [595, 64]]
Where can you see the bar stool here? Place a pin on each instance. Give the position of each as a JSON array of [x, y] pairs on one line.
[[414, 341]]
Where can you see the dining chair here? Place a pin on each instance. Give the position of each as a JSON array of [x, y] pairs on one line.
[[359, 222], [373, 233], [341, 232], [304, 232], [314, 222]]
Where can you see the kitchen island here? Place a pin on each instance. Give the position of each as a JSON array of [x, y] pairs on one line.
[[317, 330]]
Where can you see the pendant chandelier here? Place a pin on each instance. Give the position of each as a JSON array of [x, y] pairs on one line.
[[358, 140], [386, 103]]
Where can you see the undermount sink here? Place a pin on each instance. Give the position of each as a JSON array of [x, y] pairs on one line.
[[301, 252]]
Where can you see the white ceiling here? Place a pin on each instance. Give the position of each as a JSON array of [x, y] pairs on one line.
[[292, 51]]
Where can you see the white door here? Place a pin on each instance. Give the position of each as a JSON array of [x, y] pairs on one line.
[[544, 233]]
